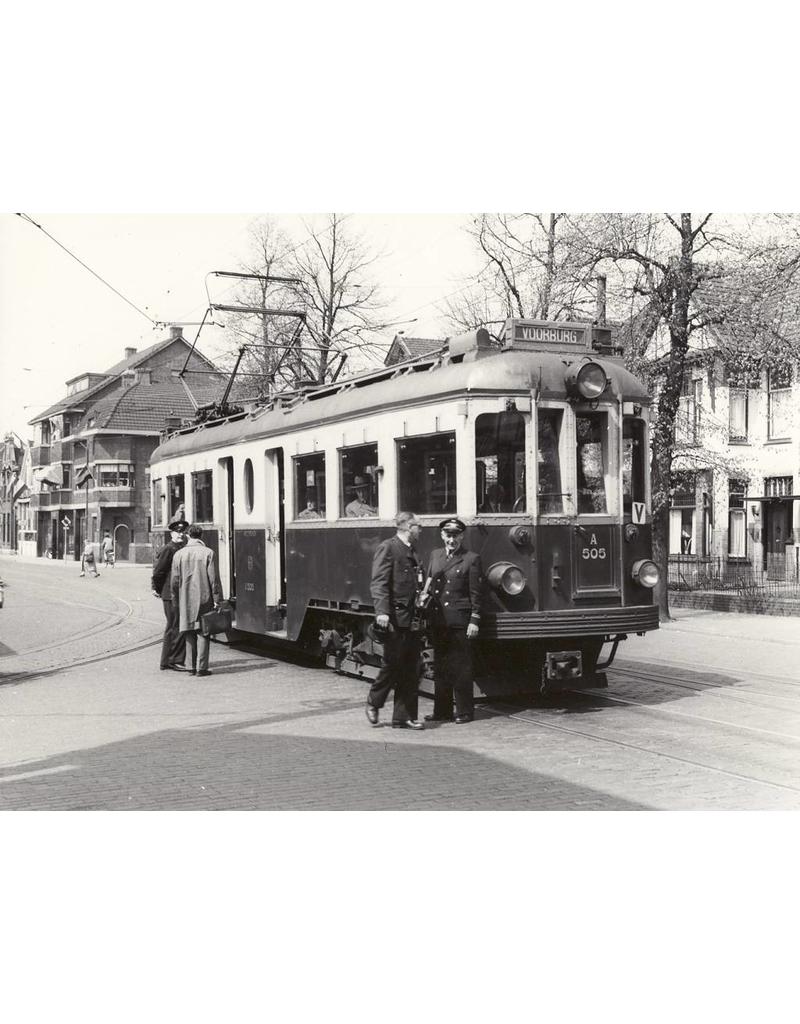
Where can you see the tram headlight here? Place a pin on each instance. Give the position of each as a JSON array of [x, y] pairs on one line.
[[645, 573], [588, 380], [507, 577]]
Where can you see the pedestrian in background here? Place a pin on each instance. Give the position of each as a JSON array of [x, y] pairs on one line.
[[456, 586], [173, 645], [107, 549], [396, 581], [196, 590], [87, 559]]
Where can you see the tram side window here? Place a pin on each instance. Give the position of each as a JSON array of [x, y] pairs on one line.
[[427, 474], [177, 496], [633, 462], [202, 495], [359, 478], [500, 462], [309, 489], [592, 461], [548, 460], [159, 502]]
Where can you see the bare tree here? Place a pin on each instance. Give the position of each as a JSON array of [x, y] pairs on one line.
[[535, 265], [680, 277], [343, 304]]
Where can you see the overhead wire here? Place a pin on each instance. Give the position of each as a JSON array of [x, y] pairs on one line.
[[69, 252]]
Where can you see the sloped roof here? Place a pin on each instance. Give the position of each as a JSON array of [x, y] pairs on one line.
[[403, 348], [201, 384]]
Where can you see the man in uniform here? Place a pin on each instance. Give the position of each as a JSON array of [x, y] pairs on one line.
[[396, 577], [455, 583], [173, 646]]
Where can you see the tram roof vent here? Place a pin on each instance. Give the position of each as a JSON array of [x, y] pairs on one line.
[[471, 345]]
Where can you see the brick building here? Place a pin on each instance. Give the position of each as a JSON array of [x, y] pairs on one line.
[[91, 450], [14, 462]]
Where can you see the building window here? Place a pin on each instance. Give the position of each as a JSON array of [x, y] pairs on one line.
[[176, 496], [309, 491], [737, 535], [779, 394], [249, 486], [737, 415], [359, 477], [427, 474], [592, 461], [66, 471], [202, 497], [548, 461], [113, 475], [681, 514], [500, 462], [777, 486]]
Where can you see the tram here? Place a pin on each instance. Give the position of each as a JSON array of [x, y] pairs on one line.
[[536, 438]]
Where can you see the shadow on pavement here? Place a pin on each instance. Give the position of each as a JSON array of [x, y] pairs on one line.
[[232, 767]]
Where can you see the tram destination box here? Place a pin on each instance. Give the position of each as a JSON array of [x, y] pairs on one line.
[[550, 336]]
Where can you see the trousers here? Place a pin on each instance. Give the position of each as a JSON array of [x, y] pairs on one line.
[[452, 672], [399, 672], [173, 646], [199, 647]]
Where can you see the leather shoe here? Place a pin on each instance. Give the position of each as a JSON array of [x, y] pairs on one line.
[[204, 672], [174, 668], [372, 714], [463, 719], [438, 718], [409, 724]]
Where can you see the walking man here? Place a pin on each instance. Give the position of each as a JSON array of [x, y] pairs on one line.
[[455, 582], [195, 591], [107, 549], [173, 646], [396, 581]]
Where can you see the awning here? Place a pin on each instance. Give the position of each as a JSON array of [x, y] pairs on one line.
[[772, 497], [50, 475]]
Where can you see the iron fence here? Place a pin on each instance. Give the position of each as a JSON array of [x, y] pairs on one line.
[[780, 578]]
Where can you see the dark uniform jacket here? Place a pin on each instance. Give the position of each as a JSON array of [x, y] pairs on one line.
[[394, 581], [456, 588], [163, 569]]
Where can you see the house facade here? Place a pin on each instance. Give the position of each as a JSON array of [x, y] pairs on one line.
[[14, 493], [91, 450], [736, 494]]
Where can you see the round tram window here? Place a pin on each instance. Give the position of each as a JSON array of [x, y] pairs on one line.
[[248, 485]]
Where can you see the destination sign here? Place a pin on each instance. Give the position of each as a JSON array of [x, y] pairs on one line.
[[547, 334]]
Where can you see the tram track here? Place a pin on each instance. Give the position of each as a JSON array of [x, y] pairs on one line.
[[716, 690], [496, 710], [626, 665]]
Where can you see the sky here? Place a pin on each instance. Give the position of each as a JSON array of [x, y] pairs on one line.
[[58, 320]]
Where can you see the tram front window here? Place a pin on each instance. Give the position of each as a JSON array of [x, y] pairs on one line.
[[309, 490], [592, 460], [500, 462], [177, 496], [427, 474], [548, 461], [633, 464]]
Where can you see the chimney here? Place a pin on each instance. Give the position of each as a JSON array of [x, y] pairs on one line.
[[130, 353], [175, 332], [601, 300]]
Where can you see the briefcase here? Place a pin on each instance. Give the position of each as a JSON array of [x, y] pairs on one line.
[[218, 621]]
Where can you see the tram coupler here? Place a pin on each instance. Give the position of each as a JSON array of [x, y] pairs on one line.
[[563, 666]]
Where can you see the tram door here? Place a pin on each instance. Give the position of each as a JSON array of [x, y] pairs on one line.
[[275, 554]]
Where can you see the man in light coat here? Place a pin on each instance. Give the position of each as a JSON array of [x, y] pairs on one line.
[[196, 590]]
